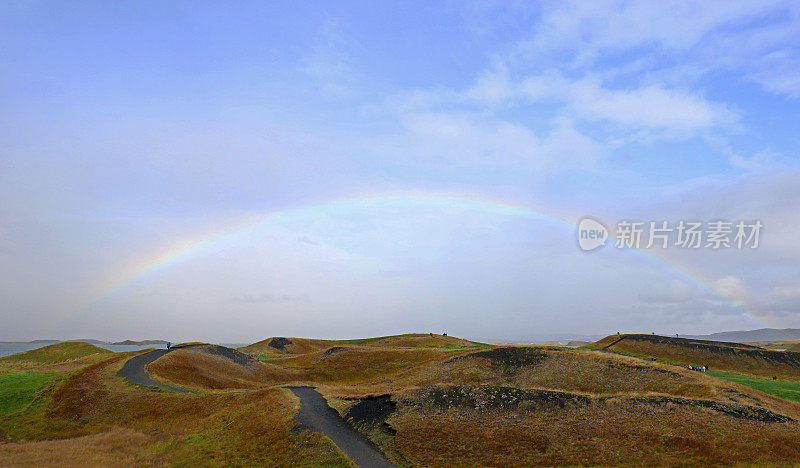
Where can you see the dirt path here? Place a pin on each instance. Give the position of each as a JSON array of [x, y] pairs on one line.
[[612, 344], [317, 416], [134, 370]]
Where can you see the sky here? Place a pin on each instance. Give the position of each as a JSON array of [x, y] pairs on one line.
[[229, 171]]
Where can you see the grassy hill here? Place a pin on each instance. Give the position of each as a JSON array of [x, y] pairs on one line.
[[56, 353], [302, 361], [794, 348], [284, 345], [212, 367], [55, 357], [507, 426], [416, 340], [95, 418], [533, 405], [717, 355], [578, 343], [425, 400]]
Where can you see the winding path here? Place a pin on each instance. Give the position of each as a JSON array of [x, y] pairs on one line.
[[134, 370], [317, 416], [314, 413]]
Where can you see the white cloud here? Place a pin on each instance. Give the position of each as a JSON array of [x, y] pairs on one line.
[[648, 107], [492, 87], [686, 39], [760, 161], [465, 139], [328, 63], [592, 28], [655, 108], [779, 72], [731, 287]]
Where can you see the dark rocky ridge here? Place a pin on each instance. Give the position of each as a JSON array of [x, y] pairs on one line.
[[489, 397], [280, 343]]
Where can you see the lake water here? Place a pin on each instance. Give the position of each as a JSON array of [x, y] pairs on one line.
[[7, 349], [233, 345]]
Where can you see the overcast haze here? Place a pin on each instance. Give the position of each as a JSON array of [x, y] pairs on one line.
[[144, 145]]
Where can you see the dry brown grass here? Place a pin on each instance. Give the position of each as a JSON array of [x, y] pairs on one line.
[[297, 346], [219, 429], [591, 373], [640, 412], [731, 357], [611, 434], [563, 369], [359, 371], [192, 367], [629, 411], [58, 357], [366, 369], [282, 345], [116, 447], [416, 340], [368, 365]]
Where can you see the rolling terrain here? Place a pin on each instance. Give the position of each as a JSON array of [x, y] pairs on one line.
[[212, 367], [421, 400], [717, 355], [283, 345], [56, 357], [748, 336]]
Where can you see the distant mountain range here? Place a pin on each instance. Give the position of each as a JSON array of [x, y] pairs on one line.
[[543, 339], [737, 336], [140, 343], [745, 336]]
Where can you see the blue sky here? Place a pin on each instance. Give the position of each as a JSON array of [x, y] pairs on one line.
[[126, 129]]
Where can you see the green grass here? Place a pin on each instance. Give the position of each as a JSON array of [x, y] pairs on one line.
[[478, 344], [780, 388], [17, 390], [56, 353]]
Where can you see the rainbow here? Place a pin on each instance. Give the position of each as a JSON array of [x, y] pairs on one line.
[[230, 232]]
